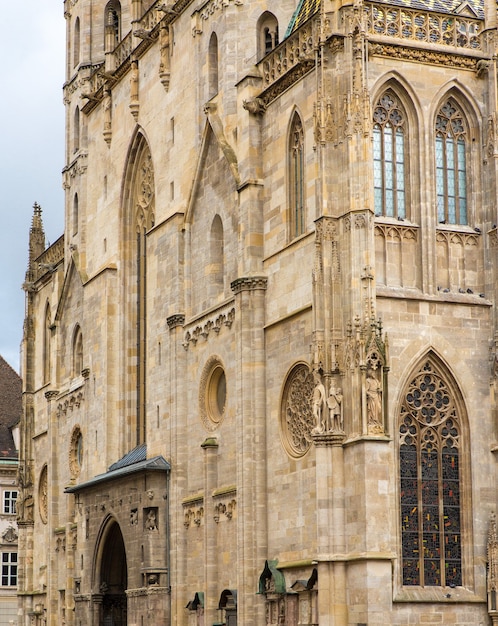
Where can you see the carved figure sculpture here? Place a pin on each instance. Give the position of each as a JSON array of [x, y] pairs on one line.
[[334, 403], [373, 390], [151, 521], [318, 403]]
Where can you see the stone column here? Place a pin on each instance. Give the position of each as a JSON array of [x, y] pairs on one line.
[[179, 454], [210, 447], [331, 520], [252, 532]]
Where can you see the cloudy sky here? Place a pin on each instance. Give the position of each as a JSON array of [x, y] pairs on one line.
[[32, 49]]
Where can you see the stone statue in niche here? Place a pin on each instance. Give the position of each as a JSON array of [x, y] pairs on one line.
[[319, 403], [133, 517], [151, 519], [334, 404], [373, 390]]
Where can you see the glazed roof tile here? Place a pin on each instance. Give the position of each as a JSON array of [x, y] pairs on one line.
[[307, 8]]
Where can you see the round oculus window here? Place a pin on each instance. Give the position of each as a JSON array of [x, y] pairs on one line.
[[213, 393]]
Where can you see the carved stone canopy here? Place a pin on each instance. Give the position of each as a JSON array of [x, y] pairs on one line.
[[271, 579]]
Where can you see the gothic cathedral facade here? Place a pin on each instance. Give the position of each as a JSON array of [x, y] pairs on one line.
[[260, 364]]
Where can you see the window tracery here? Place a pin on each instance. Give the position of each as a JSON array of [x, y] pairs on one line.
[[430, 481], [296, 176], [297, 419], [451, 165], [389, 155]]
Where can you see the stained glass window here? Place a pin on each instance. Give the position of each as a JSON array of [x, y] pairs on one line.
[[430, 482], [389, 157], [451, 167], [296, 177]]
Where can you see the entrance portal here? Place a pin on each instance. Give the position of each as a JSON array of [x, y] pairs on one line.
[[113, 579]]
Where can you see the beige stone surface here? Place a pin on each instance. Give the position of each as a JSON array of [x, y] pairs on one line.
[[203, 321]]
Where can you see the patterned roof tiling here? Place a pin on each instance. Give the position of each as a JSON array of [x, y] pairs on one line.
[[455, 7], [305, 9]]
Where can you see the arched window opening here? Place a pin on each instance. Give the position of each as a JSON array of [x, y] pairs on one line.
[[431, 461], [296, 177], [112, 25], [140, 220], [46, 345], [216, 253], [76, 42], [451, 164], [76, 130], [75, 216], [267, 34], [213, 65], [77, 357], [389, 157]]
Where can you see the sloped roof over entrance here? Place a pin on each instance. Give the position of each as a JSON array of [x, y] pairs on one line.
[[132, 462]]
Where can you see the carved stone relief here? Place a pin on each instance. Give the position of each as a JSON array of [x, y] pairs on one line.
[[193, 511]]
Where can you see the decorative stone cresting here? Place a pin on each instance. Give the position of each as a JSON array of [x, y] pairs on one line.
[[193, 509], [211, 325]]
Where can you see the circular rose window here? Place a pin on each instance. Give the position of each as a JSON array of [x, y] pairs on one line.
[[296, 410], [213, 393]]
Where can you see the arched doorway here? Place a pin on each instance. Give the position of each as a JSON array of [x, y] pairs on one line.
[[113, 579]]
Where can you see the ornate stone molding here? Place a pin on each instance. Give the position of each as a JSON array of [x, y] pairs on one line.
[[209, 8], [493, 237], [136, 593], [70, 403], [82, 597], [176, 320], [419, 55], [397, 232], [492, 554], [275, 89], [458, 238], [356, 221], [193, 509], [10, 535], [249, 283], [211, 325], [325, 440], [426, 27], [225, 502], [77, 168]]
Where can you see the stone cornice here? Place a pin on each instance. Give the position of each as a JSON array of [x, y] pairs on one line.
[[249, 283], [176, 320]]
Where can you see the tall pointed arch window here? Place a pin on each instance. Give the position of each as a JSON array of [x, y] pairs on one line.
[[77, 356], [216, 257], [213, 66], [76, 130], [431, 465], [46, 345], [144, 220], [389, 156], [296, 177], [76, 42], [451, 165]]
